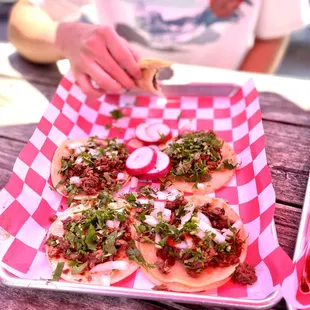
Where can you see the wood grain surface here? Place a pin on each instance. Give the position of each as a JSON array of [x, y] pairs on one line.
[[287, 130]]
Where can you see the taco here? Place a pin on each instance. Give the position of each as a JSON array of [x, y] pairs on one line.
[[82, 168], [201, 162], [194, 243], [150, 69], [90, 243]]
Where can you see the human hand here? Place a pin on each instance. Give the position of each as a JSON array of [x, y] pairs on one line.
[[97, 53]]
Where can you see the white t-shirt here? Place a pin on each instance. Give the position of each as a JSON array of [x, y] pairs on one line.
[[215, 33]]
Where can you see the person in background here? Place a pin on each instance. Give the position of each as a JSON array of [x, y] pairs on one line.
[[248, 35]]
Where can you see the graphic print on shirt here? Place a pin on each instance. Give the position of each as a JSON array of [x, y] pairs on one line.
[[154, 31]]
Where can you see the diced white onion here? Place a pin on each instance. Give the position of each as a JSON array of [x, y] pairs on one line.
[[203, 226], [79, 150], [189, 208], [200, 186], [158, 207], [109, 266], [93, 152], [116, 207], [227, 232], [79, 160], [74, 145], [189, 242], [143, 200], [204, 218], [166, 215], [112, 224], [134, 182], [152, 221], [121, 176], [75, 180], [181, 245], [157, 239]]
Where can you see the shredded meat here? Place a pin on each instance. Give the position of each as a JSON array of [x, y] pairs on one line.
[[245, 274], [194, 270], [94, 258], [217, 216], [161, 287], [212, 165], [175, 204], [76, 170], [90, 184], [164, 266], [166, 260]]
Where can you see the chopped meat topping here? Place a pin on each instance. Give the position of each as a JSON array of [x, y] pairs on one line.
[[175, 204], [186, 241], [94, 169], [88, 241], [161, 287], [216, 215], [245, 274]]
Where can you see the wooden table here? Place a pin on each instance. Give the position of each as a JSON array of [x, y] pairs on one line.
[[287, 129]]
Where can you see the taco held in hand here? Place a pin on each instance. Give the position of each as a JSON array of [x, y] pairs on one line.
[[150, 69], [193, 243], [201, 162], [82, 168], [89, 243]]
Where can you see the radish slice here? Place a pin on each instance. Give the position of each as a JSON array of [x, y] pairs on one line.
[[141, 161], [141, 133], [112, 265], [133, 144], [159, 132], [161, 169]]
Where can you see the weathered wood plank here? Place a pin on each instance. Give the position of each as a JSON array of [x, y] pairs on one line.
[[277, 108], [12, 65], [287, 221], [288, 154], [16, 299], [21, 133]]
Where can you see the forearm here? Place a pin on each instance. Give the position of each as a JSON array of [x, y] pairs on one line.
[[33, 33], [265, 56]]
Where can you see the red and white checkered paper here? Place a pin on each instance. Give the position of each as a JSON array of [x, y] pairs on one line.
[[291, 285], [28, 202]]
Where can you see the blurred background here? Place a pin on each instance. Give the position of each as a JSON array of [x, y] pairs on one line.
[[296, 62]]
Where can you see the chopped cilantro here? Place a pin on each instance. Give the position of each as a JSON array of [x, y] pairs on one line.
[[107, 126], [117, 114], [135, 255], [195, 155], [58, 271], [148, 192], [76, 269], [90, 238], [109, 245], [228, 165], [165, 184], [130, 197]]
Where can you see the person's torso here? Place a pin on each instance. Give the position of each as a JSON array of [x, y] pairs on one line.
[[215, 33]]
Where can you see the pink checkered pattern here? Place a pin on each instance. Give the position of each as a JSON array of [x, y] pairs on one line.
[[29, 202]]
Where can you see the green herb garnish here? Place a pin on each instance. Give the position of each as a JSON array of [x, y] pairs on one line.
[[148, 192], [135, 255], [117, 114], [58, 271], [77, 269]]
